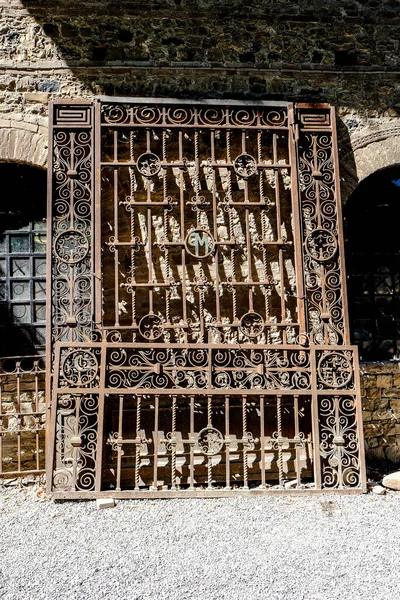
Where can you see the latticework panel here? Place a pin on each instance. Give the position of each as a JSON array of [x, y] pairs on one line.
[[199, 312]]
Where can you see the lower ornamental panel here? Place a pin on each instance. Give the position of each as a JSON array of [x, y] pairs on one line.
[[136, 422]]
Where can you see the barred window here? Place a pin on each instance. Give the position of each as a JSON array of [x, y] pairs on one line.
[[22, 259], [372, 217]]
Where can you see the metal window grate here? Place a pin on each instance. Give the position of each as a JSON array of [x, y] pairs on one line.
[[22, 418], [23, 285]]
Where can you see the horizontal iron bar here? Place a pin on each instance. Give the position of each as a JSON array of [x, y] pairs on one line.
[[108, 391], [275, 347], [206, 102], [206, 493]]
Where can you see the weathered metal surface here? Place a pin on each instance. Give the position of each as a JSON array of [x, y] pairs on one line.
[[22, 418], [199, 335]]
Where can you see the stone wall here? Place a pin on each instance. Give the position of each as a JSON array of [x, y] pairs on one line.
[[344, 52], [380, 392], [339, 51]]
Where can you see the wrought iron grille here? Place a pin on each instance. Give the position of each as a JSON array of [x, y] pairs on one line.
[[22, 419], [199, 334]]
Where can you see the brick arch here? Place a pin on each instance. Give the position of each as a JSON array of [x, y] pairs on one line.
[[24, 143], [366, 155]]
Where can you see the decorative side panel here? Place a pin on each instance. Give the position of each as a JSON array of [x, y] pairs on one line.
[[72, 194], [322, 228], [339, 442], [76, 442]]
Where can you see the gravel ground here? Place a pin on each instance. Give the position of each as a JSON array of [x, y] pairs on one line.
[[270, 548]]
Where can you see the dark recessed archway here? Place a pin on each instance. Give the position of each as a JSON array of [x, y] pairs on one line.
[[372, 218], [22, 259]]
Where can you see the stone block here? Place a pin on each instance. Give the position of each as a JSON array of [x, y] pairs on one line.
[[368, 404], [105, 503], [391, 392], [381, 403], [373, 430], [379, 490], [373, 392], [392, 481], [36, 97], [379, 368], [368, 381], [384, 381], [383, 414]]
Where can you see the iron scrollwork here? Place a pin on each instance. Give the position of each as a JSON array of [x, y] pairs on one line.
[[339, 443]]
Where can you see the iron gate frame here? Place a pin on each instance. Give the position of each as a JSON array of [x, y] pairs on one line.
[[86, 336]]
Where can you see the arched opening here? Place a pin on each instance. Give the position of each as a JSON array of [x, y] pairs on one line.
[[22, 259], [372, 217]]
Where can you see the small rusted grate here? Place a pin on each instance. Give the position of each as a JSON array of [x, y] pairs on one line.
[[22, 419], [199, 320]]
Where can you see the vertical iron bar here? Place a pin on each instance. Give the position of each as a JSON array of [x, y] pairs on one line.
[[49, 296], [119, 447], [75, 450], [343, 279], [279, 236], [37, 446], [138, 443], [215, 229], [315, 420], [155, 454], [96, 216], [297, 437], [227, 446], [182, 232], [191, 434], [297, 227], [173, 445], [245, 461], [279, 441], [262, 440], [100, 420], [209, 424], [359, 417]]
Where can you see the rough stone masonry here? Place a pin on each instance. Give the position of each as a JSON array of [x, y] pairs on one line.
[[339, 51]]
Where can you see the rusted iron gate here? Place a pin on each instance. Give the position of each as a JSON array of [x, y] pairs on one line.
[[198, 315], [22, 419]]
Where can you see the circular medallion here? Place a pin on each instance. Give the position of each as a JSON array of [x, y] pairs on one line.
[[80, 367], [71, 246], [321, 245], [151, 327], [210, 440], [251, 324], [334, 370], [148, 164], [245, 165], [199, 243]]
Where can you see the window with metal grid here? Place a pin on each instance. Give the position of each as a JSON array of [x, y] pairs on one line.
[[22, 260]]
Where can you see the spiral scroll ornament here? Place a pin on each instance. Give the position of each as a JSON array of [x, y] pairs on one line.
[[71, 246], [148, 164], [80, 367], [151, 327], [334, 370], [251, 324], [211, 441], [245, 165], [321, 245]]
